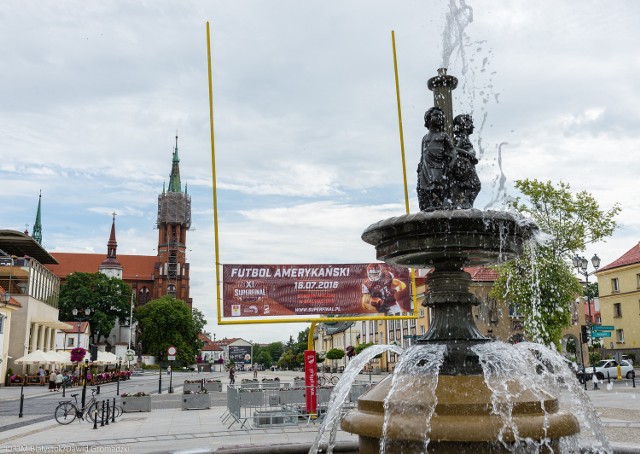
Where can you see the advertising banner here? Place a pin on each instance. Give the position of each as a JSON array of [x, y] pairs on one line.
[[311, 381], [240, 354], [282, 290]]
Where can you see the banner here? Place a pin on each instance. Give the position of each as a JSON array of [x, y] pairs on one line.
[[280, 290], [240, 354], [311, 381]]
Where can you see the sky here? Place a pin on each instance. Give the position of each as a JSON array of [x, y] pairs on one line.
[[307, 146]]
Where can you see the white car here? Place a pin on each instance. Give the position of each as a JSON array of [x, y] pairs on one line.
[[610, 366]]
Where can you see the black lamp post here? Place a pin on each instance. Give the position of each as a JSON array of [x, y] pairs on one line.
[[87, 313], [580, 264], [118, 376]]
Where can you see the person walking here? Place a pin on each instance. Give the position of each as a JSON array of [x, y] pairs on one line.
[[58, 381], [52, 381], [232, 376], [41, 375]]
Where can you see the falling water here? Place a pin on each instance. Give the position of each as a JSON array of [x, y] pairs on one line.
[[341, 392], [510, 371], [419, 364]]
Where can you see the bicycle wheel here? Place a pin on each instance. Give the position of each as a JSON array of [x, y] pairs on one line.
[[65, 413], [322, 380], [334, 379], [118, 411], [92, 410]]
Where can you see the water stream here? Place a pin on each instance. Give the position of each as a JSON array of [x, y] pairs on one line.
[[341, 393]]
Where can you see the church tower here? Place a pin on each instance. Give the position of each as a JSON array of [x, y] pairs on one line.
[[110, 266], [174, 219], [37, 226]]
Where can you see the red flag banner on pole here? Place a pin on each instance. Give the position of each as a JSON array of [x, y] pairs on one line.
[[311, 380]]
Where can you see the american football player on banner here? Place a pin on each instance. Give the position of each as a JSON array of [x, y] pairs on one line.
[[381, 292]]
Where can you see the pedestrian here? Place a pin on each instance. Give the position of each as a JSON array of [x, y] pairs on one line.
[[255, 371], [41, 375], [52, 381], [232, 376], [58, 381]]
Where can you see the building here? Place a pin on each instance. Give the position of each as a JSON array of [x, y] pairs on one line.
[[77, 335], [150, 276], [211, 354], [30, 315], [237, 351], [619, 290]]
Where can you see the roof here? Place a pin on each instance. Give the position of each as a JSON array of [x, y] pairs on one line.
[[631, 257], [134, 267], [482, 274], [208, 344], [74, 327], [21, 245], [231, 340]]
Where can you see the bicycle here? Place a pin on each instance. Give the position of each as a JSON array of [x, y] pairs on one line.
[[67, 411], [331, 379]]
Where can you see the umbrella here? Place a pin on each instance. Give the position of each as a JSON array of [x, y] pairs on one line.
[[106, 358], [60, 357], [35, 357]]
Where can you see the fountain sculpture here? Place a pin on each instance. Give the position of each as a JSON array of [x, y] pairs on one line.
[[455, 410]]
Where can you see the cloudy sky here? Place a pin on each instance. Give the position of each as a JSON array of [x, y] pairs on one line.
[[306, 129]]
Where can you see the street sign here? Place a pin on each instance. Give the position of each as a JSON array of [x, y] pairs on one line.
[[171, 351], [603, 327], [598, 334]]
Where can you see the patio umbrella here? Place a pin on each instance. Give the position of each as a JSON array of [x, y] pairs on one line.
[[60, 357], [35, 357], [106, 358]]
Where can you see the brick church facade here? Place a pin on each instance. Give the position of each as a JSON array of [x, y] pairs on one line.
[[150, 276]]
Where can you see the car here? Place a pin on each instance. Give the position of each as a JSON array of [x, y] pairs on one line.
[[607, 367]]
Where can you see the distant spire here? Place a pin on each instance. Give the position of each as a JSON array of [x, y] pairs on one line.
[[37, 226], [110, 265], [174, 178]]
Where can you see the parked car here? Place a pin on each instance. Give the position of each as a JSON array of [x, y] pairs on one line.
[[609, 366]]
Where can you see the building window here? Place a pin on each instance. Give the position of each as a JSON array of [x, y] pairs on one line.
[[143, 295], [514, 311], [615, 285], [171, 290], [620, 336], [638, 280], [421, 313], [70, 341], [421, 329], [1, 324], [617, 310]]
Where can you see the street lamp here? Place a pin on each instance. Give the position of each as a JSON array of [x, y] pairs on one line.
[[87, 313], [580, 264]]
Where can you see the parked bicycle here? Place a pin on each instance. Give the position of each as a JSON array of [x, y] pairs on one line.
[[328, 379], [67, 411]]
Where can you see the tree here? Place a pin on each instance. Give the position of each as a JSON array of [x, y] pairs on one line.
[[198, 319], [275, 349], [165, 322], [540, 282], [109, 299]]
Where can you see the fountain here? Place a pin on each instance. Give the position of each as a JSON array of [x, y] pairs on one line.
[[467, 404]]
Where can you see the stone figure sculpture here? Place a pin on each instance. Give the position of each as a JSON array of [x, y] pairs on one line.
[[464, 182], [438, 155]]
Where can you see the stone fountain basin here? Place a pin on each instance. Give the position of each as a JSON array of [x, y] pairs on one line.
[[463, 412], [467, 237]]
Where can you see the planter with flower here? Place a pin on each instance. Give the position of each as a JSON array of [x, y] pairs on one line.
[[299, 381], [212, 385], [131, 402], [192, 386], [196, 400]]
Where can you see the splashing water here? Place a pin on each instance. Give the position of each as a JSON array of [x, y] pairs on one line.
[[341, 392], [419, 364], [511, 371]]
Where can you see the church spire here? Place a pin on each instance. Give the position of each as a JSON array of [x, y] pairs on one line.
[[37, 226], [110, 265], [174, 178]]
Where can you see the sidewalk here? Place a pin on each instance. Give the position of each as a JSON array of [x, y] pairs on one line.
[[172, 430]]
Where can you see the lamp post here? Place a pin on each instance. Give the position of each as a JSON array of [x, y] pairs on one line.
[[118, 376], [580, 264], [87, 313]]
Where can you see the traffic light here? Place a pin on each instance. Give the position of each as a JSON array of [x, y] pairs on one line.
[[93, 348], [160, 355], [584, 331]]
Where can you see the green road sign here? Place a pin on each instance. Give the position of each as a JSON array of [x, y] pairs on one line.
[[603, 327], [598, 334]]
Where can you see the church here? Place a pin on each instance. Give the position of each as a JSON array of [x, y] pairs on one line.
[[150, 276]]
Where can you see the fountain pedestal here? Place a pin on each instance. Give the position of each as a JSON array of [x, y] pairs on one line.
[[461, 415]]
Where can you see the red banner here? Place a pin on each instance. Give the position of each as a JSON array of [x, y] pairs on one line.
[[311, 381], [277, 290]]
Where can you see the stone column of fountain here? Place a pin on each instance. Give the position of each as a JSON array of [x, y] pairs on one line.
[[446, 235]]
